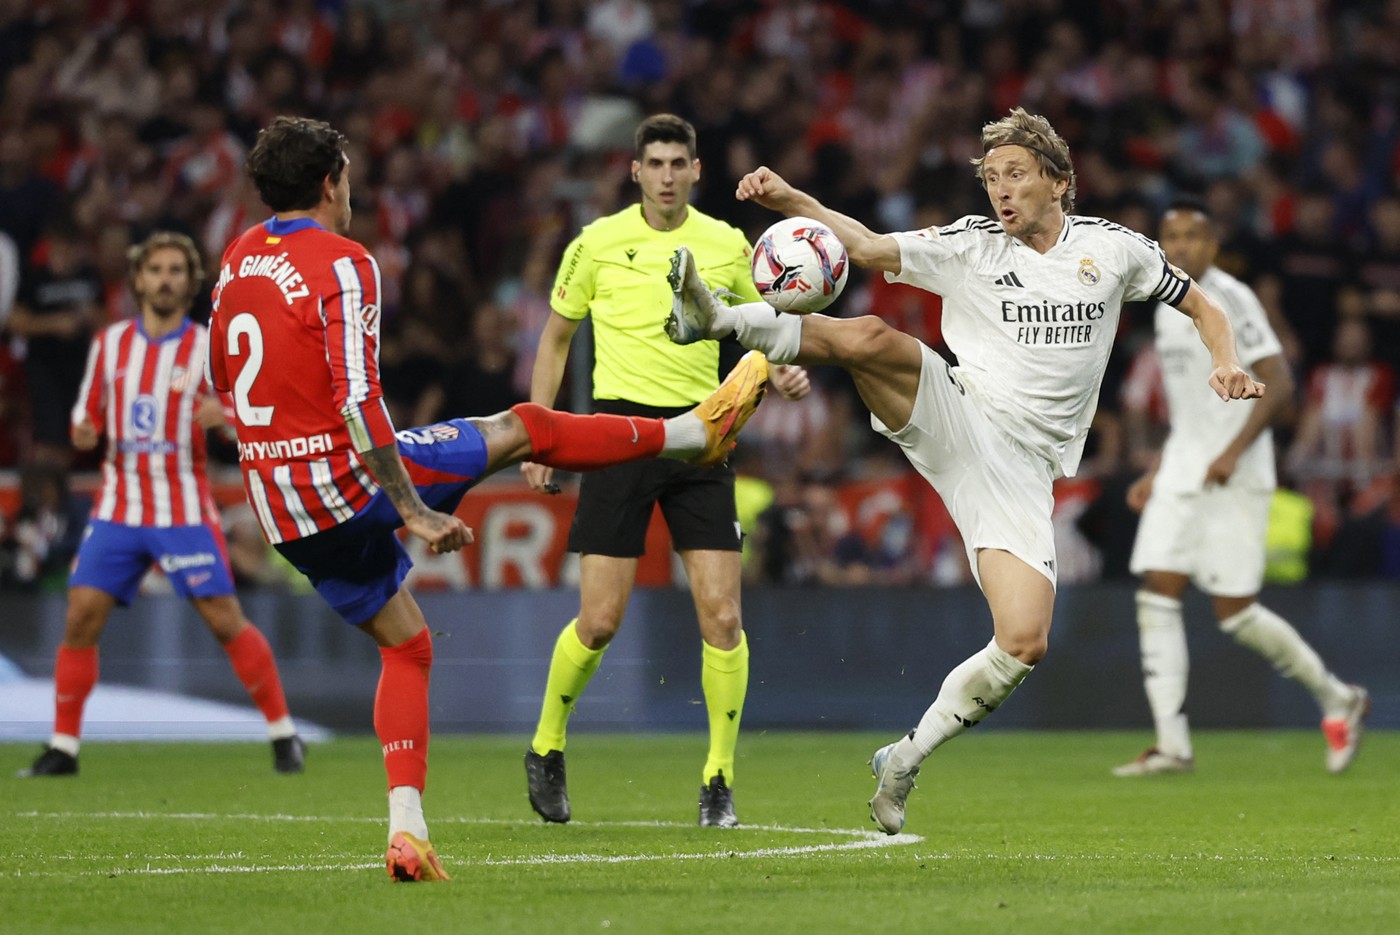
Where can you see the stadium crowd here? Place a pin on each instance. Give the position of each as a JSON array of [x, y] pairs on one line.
[[484, 133]]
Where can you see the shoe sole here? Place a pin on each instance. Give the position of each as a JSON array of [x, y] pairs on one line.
[[412, 851], [741, 408], [676, 328]]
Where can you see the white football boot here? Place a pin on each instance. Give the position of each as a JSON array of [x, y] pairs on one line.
[[896, 778]]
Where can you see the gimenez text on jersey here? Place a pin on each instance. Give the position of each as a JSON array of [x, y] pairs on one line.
[[274, 266]]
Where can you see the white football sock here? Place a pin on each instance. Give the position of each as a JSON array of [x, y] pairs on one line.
[[65, 742], [1165, 665], [685, 436], [1274, 638], [760, 327], [280, 728], [406, 812], [973, 690]]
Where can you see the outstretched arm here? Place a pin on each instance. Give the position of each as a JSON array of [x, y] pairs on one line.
[[865, 247], [1227, 378]]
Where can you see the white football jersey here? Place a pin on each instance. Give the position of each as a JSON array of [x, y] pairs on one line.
[[1202, 423], [1033, 331]]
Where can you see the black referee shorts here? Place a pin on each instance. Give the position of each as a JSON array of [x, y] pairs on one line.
[[615, 504]]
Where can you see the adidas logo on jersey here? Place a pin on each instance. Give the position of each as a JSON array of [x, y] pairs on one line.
[[1010, 279]]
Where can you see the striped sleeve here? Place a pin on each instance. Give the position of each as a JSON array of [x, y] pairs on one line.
[[1148, 274], [92, 392], [352, 348]]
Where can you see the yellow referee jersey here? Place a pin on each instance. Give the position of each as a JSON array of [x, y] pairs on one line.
[[615, 270]]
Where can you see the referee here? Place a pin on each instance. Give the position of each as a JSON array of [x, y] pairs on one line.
[[615, 270]]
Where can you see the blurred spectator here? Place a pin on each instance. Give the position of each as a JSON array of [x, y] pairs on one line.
[[1217, 140], [480, 379], [1309, 267], [44, 536], [1378, 276], [809, 539], [54, 316], [27, 199], [1341, 436]]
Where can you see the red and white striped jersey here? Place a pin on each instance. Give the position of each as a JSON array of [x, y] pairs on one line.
[[142, 393], [295, 337]]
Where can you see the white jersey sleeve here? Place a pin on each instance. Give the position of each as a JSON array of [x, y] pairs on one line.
[[936, 258], [1146, 272]]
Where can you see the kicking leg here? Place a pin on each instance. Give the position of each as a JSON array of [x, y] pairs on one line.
[[704, 435]]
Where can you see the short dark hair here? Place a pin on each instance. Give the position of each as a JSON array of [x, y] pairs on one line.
[[1193, 203], [665, 128], [291, 158]]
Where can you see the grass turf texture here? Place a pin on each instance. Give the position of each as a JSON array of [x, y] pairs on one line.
[[1019, 832]]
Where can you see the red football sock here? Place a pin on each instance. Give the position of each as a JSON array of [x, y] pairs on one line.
[[74, 675], [401, 710], [585, 443], [257, 670]]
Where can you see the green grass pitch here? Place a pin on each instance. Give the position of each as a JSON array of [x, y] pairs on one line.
[[1016, 832]]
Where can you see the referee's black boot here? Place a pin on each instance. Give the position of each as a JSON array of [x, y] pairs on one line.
[[548, 784]]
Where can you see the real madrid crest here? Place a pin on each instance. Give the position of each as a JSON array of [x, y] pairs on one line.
[[1088, 272]]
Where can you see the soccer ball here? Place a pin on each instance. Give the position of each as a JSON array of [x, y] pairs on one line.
[[799, 266]]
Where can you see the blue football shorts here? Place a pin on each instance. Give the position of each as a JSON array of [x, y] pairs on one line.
[[114, 558], [360, 564]]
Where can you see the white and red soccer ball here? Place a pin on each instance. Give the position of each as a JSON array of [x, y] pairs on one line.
[[799, 266]]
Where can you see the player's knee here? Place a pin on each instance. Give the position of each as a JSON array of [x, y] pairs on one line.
[[1028, 648], [596, 630], [83, 624], [720, 616], [507, 435]]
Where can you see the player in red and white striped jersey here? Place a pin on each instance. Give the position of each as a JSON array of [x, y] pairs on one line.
[[295, 338], [145, 390]]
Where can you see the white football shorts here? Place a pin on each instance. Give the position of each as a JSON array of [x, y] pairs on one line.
[[997, 491], [1214, 536]]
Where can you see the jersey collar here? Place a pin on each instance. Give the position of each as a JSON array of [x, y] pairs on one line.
[[174, 335], [278, 228]]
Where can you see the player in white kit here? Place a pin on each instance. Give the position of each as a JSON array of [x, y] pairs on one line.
[[1205, 512], [1030, 306]]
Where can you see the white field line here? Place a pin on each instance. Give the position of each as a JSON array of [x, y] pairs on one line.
[[861, 840]]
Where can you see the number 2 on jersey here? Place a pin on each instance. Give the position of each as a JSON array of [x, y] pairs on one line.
[[244, 323]]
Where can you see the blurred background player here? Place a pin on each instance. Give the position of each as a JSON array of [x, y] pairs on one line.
[[1205, 511], [295, 337], [613, 271], [144, 390], [1031, 306]]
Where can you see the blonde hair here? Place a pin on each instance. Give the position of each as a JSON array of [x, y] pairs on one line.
[[1019, 128], [138, 254]]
